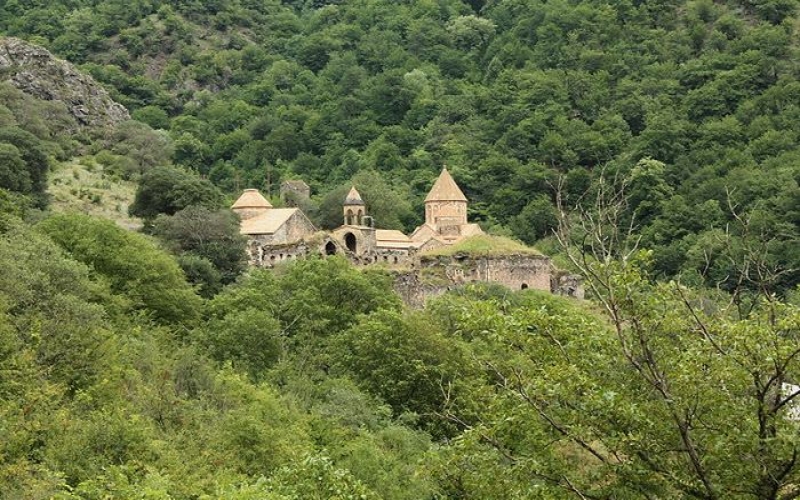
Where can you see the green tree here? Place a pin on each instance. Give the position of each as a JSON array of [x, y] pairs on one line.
[[26, 165], [201, 273], [537, 220], [153, 116], [250, 339], [407, 362], [147, 147], [13, 171], [132, 264], [167, 190], [212, 235]]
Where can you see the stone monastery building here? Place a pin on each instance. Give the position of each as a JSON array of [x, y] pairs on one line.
[[280, 234]]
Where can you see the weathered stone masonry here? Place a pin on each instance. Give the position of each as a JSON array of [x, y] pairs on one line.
[[437, 275]]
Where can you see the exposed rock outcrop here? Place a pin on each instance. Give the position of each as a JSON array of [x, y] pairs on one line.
[[37, 72]]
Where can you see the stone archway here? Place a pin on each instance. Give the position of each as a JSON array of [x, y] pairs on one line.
[[330, 248], [351, 242]]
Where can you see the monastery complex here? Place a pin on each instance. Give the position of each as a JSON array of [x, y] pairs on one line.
[[281, 234]]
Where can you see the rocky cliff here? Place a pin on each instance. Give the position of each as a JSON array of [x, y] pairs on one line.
[[37, 72]]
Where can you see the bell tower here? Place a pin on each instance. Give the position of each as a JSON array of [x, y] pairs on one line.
[[354, 209]]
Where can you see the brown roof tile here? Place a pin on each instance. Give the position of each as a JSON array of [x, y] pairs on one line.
[[268, 222], [251, 198], [445, 189]]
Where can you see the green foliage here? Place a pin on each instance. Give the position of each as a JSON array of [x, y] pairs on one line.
[[23, 163], [153, 116], [250, 338], [97, 402], [686, 109], [132, 264], [211, 235], [167, 190], [325, 296], [407, 362], [511, 95], [201, 273], [537, 220]]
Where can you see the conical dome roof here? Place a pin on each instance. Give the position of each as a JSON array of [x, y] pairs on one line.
[[445, 189], [353, 198], [251, 198]]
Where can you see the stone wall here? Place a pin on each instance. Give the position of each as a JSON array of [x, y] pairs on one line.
[[430, 277], [414, 289], [436, 275], [516, 272]]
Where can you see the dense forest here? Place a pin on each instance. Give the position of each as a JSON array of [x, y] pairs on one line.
[[649, 145], [517, 97]]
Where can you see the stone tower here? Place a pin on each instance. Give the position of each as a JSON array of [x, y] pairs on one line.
[[354, 209], [250, 204], [445, 205], [294, 191]]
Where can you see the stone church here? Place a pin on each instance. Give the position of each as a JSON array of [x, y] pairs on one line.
[[278, 235]]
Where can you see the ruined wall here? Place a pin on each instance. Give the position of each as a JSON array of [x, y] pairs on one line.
[[267, 256], [430, 277], [513, 271], [415, 289], [394, 257], [436, 275]]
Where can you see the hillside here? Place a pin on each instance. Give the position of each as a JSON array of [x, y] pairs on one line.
[[512, 95], [39, 74], [661, 138], [84, 186]]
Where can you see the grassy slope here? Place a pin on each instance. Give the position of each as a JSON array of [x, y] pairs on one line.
[[82, 185], [484, 245]]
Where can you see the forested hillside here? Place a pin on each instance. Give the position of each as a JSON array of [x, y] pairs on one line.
[[511, 95], [651, 145]]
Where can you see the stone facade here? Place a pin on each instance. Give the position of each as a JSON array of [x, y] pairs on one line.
[[445, 215], [436, 275], [295, 228]]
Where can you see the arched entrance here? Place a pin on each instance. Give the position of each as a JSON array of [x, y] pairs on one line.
[[330, 248], [350, 242]]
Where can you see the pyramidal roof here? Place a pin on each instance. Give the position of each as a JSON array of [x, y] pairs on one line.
[[251, 198], [445, 189], [353, 198]]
